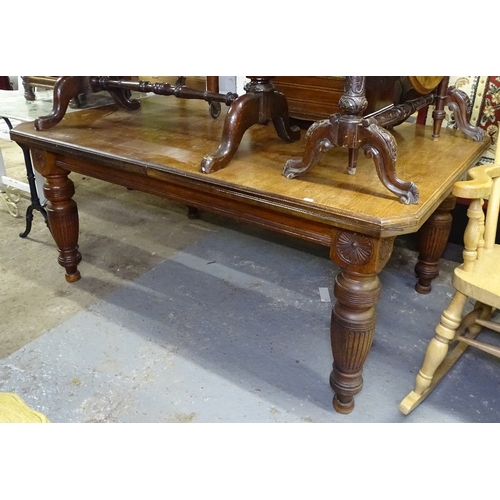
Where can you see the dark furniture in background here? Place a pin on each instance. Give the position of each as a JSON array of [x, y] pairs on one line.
[[392, 101], [5, 83]]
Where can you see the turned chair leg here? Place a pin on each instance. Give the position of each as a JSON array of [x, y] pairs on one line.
[[436, 353]]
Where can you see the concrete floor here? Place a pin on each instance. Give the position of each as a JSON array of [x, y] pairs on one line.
[[208, 320]]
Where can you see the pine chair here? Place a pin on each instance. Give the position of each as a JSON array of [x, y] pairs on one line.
[[477, 279]]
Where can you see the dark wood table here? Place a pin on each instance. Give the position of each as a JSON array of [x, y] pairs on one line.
[[158, 148]]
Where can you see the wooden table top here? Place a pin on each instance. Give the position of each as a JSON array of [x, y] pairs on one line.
[[167, 138]]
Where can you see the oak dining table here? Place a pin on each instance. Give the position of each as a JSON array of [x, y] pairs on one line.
[[157, 149]]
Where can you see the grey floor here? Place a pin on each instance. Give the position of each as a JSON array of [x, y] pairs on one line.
[[209, 320], [232, 329]]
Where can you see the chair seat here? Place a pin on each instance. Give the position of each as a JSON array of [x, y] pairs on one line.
[[482, 282]]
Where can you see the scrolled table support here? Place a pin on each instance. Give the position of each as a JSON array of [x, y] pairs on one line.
[[11, 199], [35, 200]]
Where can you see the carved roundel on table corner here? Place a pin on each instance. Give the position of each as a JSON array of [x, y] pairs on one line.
[[354, 248]]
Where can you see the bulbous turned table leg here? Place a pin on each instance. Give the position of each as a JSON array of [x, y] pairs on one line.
[[352, 329], [62, 212], [432, 240], [62, 216], [357, 290]]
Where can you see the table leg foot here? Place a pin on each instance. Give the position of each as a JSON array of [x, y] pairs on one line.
[[343, 405], [193, 213], [71, 278], [29, 92]]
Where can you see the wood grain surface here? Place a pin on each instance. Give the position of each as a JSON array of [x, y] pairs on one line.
[[167, 138]]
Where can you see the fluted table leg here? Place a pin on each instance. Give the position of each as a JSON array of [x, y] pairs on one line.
[[357, 290], [62, 212], [352, 329], [432, 240]]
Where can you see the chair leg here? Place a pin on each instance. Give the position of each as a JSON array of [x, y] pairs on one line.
[[435, 354]]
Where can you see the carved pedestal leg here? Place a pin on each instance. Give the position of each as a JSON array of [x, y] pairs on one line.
[[62, 212], [122, 98], [438, 114], [242, 114], [320, 137], [458, 103], [352, 329], [376, 142], [261, 103], [380, 145], [349, 130], [213, 86], [278, 113], [432, 239], [65, 89], [339, 130]]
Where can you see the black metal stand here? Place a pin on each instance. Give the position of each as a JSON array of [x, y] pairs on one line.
[[35, 200]]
